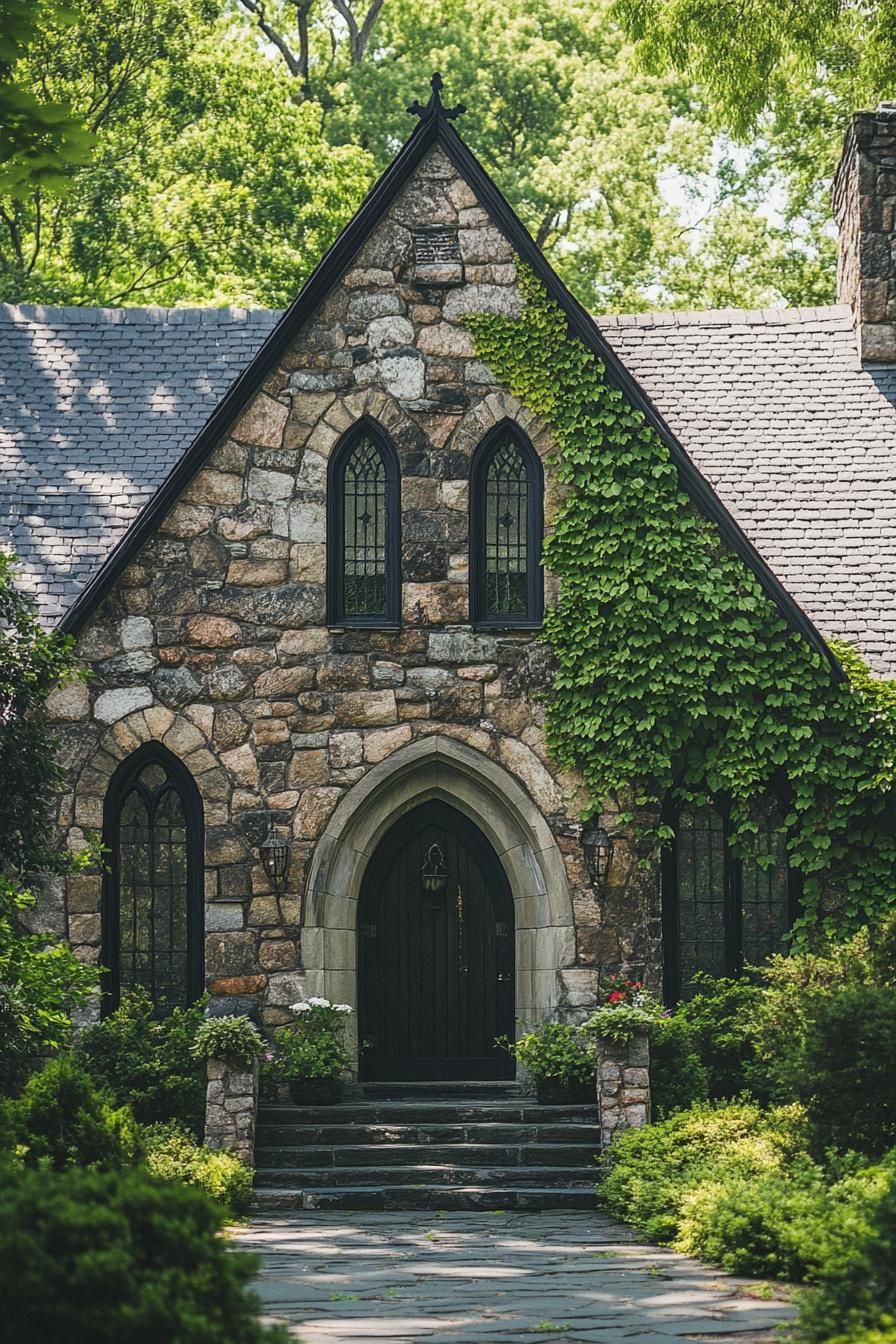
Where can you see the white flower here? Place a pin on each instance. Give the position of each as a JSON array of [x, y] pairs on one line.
[[300, 1007], [342, 1007], [320, 1003]]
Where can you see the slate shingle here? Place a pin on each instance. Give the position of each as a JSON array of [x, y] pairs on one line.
[[97, 406]]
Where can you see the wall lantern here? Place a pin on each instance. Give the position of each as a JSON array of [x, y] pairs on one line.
[[597, 846], [274, 852], [434, 875]]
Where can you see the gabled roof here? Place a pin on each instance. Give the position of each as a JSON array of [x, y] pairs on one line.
[[434, 128], [97, 406]]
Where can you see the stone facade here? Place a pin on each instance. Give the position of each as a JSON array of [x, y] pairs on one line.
[[231, 1103], [623, 1085], [864, 198], [215, 643]]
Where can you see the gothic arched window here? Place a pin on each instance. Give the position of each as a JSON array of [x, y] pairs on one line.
[[721, 912], [363, 530], [506, 521], [153, 889]]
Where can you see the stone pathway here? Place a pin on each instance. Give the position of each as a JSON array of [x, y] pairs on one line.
[[488, 1278]]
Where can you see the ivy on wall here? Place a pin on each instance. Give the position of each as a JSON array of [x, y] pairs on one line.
[[676, 676]]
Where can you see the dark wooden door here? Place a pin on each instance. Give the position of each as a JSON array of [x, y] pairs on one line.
[[436, 968]]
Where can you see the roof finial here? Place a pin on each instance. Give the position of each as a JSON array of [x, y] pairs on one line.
[[435, 106]]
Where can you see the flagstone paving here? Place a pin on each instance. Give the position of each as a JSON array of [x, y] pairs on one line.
[[486, 1278]]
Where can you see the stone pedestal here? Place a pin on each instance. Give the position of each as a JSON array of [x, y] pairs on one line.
[[231, 1102], [623, 1085]]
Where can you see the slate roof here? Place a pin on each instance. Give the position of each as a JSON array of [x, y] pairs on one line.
[[97, 406], [799, 441]]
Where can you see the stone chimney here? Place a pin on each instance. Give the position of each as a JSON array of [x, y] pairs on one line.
[[864, 196]]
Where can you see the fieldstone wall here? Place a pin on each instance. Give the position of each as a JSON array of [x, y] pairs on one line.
[[231, 1104], [215, 640], [623, 1085], [864, 200]]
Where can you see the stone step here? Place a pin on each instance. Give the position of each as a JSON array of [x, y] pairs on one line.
[[487, 1090], [511, 1111], [489, 1132], [429, 1174], [427, 1197], [403, 1154]]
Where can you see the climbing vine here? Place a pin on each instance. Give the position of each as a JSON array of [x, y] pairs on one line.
[[676, 676]]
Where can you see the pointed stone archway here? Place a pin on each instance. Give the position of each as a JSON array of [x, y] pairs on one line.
[[440, 768]]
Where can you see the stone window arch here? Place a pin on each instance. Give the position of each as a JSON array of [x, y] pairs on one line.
[[506, 525], [152, 905], [364, 529], [720, 911]]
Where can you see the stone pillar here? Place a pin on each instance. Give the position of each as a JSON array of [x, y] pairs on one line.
[[864, 200], [231, 1101], [623, 1085]]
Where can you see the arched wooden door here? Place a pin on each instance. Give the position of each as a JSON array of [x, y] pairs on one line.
[[435, 952]]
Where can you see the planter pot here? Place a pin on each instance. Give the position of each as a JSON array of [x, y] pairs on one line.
[[558, 1092], [315, 1091]]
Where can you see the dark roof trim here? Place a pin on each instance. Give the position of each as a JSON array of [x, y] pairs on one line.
[[434, 128]]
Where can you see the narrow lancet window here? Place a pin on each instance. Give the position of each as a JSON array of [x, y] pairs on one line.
[[363, 527], [505, 530]]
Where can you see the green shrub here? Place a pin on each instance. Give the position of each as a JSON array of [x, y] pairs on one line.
[[847, 1079], [146, 1061], [678, 1076], [233, 1037], [61, 1120], [720, 1016], [97, 1258], [683, 1182], [554, 1050], [173, 1154], [855, 1284]]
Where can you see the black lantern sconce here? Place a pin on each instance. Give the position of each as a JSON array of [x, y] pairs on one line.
[[274, 852], [597, 846], [434, 875]]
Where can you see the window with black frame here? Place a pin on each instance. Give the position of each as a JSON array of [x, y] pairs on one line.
[[153, 899], [722, 912], [506, 521], [363, 547]]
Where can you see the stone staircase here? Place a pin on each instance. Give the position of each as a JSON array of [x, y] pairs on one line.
[[427, 1146]]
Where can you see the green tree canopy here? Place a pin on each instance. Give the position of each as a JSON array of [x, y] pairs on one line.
[[233, 138]]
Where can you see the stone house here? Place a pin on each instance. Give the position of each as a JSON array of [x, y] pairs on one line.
[[300, 554]]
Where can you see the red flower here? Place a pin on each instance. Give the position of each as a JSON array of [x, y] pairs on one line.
[[616, 996]]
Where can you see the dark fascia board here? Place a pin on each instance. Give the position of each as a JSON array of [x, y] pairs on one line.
[[435, 129]]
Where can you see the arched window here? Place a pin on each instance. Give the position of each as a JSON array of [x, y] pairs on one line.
[[153, 889], [364, 530], [720, 912], [506, 523]]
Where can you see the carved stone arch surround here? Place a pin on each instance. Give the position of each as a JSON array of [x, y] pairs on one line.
[[439, 767]]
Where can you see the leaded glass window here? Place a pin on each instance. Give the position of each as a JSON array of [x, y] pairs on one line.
[[365, 553], [505, 528], [363, 526], [701, 864], [722, 912], [765, 907], [506, 533], [152, 909]]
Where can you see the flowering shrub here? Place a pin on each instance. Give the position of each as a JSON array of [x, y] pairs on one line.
[[228, 1038], [554, 1050], [311, 1047], [628, 1007]]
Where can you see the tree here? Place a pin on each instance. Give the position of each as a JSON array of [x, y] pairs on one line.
[[752, 57], [209, 182], [40, 979], [39, 135]]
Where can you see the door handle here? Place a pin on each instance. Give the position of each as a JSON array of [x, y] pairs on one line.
[[502, 979]]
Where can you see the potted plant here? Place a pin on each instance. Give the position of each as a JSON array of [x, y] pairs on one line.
[[560, 1061], [232, 1038], [309, 1055], [627, 1008]]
